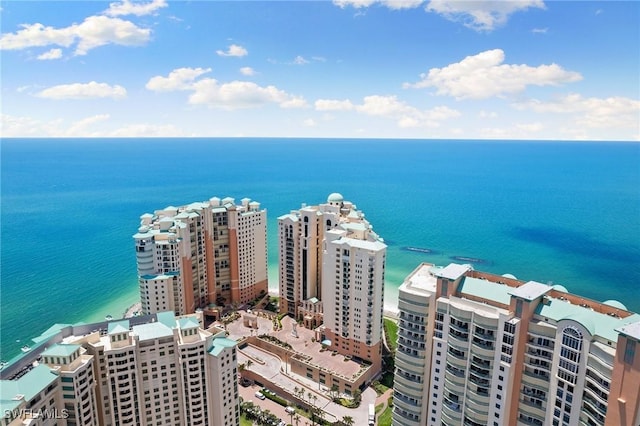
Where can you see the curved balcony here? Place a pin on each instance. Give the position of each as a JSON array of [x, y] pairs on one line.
[[485, 351], [408, 387], [476, 415], [453, 412], [459, 363], [406, 404], [454, 382], [536, 379], [595, 399], [450, 417], [458, 335]]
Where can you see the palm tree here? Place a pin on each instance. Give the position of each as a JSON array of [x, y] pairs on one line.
[[309, 395], [348, 421], [249, 363], [297, 419]]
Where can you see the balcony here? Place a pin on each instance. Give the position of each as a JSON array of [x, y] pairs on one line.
[[453, 411], [453, 333], [538, 353]]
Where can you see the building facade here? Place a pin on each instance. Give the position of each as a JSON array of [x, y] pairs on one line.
[[201, 255], [481, 349], [353, 292], [331, 272], [161, 370]]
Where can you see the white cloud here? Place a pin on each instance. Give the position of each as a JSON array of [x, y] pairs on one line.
[[89, 90], [540, 30], [481, 15], [35, 35], [147, 130], [233, 50], [487, 114], [15, 127], [230, 96], [178, 79], [248, 71], [613, 112], [353, 3], [484, 75], [100, 30], [51, 54], [94, 31], [299, 60], [86, 127], [12, 126], [333, 105], [240, 94], [392, 108], [516, 131], [127, 7], [309, 122], [391, 4]]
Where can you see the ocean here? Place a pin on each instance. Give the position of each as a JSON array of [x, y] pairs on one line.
[[561, 212]]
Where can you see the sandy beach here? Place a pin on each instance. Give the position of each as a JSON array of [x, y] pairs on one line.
[[133, 310]]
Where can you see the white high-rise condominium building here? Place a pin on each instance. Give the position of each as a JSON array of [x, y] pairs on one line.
[[353, 291], [332, 269], [161, 370], [481, 349], [205, 253]]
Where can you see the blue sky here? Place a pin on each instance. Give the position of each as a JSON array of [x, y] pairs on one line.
[[528, 69]]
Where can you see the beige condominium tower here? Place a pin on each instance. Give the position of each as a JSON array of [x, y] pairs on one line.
[[151, 370], [331, 272], [202, 255], [481, 349]]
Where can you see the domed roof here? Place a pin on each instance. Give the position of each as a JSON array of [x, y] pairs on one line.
[[560, 288], [584, 319], [513, 277], [335, 198], [615, 304]]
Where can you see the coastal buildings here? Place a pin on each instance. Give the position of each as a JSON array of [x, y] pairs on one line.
[[332, 271], [481, 349], [201, 255], [158, 369]]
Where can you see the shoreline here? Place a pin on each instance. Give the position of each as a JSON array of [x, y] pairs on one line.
[[133, 310]]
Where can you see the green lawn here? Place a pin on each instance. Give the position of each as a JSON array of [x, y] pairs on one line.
[[244, 421], [391, 333], [384, 419]]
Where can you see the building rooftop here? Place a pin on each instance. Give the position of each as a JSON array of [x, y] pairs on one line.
[[167, 318], [151, 331], [363, 244], [188, 322], [478, 287], [453, 271], [61, 350], [335, 197], [422, 278], [531, 290], [118, 327], [27, 386], [597, 323], [220, 344], [631, 330]]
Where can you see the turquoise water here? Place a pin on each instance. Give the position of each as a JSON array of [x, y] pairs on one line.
[[562, 212]]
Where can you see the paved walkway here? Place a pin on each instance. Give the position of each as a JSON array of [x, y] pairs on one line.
[[272, 368], [384, 398]]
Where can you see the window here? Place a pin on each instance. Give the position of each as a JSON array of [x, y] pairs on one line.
[[629, 351]]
